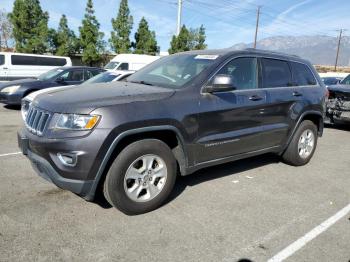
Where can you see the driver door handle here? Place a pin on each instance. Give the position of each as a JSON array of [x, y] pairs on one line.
[[296, 93], [255, 98]]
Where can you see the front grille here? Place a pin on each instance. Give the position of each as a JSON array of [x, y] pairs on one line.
[[36, 120]]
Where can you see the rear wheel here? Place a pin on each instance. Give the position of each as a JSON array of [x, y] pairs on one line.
[[303, 145], [141, 177]]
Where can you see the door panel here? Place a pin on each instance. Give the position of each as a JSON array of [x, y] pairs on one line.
[[231, 123], [282, 100]]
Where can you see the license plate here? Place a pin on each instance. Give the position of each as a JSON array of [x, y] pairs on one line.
[[23, 143], [345, 115]]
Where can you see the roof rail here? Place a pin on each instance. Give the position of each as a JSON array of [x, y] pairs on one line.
[[269, 52]]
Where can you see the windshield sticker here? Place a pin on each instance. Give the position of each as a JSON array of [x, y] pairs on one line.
[[208, 57]]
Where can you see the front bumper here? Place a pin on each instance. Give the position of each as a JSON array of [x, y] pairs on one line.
[[42, 154], [10, 99]]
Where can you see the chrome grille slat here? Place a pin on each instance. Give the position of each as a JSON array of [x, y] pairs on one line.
[[36, 120]]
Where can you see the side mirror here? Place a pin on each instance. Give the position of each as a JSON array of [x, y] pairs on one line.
[[60, 80], [221, 83]]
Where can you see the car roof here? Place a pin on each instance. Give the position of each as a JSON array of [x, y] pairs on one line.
[[79, 67], [231, 51]]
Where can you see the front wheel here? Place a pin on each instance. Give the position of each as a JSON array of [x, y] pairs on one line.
[[141, 177], [303, 144]]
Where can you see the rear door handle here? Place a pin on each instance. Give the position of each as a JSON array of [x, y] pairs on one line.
[[295, 93], [4, 68], [255, 98]]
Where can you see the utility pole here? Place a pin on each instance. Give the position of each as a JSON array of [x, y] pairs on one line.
[[179, 11], [339, 41], [257, 25]]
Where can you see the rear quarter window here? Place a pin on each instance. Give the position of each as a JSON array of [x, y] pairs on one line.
[[37, 61], [276, 73], [302, 75]]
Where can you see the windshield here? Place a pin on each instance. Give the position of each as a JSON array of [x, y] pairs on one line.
[[111, 65], [330, 80], [173, 71], [105, 77], [346, 80], [50, 74]]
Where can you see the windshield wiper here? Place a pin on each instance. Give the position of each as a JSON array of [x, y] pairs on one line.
[[141, 82]]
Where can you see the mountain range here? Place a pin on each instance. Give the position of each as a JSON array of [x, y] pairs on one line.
[[320, 50]]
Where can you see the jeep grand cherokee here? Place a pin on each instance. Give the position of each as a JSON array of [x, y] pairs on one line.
[[182, 113]]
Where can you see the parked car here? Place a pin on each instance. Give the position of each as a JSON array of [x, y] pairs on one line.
[[346, 80], [182, 113], [130, 62], [104, 77], [108, 76], [12, 92], [14, 66], [338, 104], [331, 80]]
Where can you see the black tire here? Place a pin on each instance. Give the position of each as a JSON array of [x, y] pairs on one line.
[[291, 155], [114, 183]]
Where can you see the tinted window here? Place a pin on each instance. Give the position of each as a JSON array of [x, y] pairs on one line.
[[73, 76], [276, 73], [346, 80], [123, 66], [302, 76], [37, 61], [243, 71], [2, 59]]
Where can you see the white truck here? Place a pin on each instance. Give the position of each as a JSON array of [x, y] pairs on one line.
[[130, 62]]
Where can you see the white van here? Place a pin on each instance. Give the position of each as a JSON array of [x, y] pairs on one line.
[[15, 66], [130, 62]]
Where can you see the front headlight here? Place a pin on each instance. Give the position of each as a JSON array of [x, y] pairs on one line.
[[25, 104], [77, 122], [10, 89]]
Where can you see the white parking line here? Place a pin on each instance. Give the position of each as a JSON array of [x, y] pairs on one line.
[[294, 247], [11, 154]]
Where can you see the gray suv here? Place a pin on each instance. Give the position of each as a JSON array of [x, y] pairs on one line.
[[179, 114]]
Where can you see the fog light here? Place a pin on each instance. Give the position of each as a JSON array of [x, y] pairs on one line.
[[67, 159]]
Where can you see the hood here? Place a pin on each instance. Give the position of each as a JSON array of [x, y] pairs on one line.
[[85, 98], [26, 81], [340, 91], [33, 95]]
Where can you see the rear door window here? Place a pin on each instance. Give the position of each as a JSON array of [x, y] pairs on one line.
[[276, 73], [302, 75], [2, 59]]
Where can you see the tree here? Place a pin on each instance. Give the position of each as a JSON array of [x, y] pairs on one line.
[[90, 37], [65, 39], [200, 39], [192, 39], [5, 30], [181, 42], [145, 40], [30, 29], [122, 25]]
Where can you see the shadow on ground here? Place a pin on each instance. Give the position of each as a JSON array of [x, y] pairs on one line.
[[209, 174], [12, 107]]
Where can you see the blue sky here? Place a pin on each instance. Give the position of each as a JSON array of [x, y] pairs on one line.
[[227, 22]]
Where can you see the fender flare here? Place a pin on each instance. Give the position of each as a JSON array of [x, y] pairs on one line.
[[106, 158], [300, 119]]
